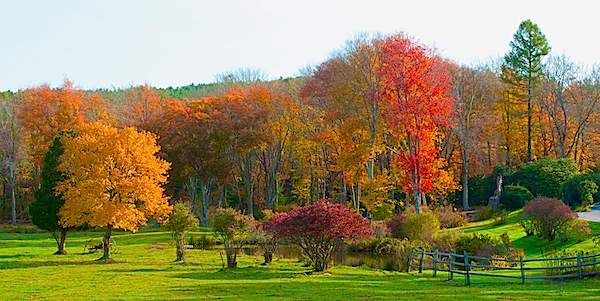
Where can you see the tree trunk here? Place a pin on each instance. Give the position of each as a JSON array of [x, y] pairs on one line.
[[231, 255], [12, 195], [204, 192], [181, 247], [106, 242], [246, 167], [529, 114], [193, 193], [465, 182], [62, 243]]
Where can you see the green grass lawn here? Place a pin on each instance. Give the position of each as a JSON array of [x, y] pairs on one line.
[[143, 269]]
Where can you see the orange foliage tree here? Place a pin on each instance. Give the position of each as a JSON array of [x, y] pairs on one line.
[[114, 179], [44, 112], [197, 151], [416, 91]]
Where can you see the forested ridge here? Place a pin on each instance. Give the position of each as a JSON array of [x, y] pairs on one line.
[[384, 122]]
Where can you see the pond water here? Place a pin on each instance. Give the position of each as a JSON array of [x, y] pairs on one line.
[[343, 257]]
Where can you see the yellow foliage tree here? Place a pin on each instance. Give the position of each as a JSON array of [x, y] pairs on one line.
[[114, 179]]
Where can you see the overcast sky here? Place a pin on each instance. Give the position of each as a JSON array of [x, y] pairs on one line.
[[119, 43]]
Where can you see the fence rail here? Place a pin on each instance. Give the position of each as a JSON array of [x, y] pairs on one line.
[[464, 264]]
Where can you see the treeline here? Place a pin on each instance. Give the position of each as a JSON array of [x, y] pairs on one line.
[[383, 122]]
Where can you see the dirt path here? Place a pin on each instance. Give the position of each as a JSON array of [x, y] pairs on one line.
[[593, 215]]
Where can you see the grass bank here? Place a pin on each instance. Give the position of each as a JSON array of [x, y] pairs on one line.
[[143, 269]]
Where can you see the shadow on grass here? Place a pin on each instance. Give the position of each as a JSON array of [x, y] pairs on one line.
[[15, 256], [23, 264], [250, 273]]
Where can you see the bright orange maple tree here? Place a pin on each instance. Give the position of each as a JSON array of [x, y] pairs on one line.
[[114, 179], [416, 91]]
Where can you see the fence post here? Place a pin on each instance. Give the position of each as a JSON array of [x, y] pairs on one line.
[[435, 260], [468, 279], [522, 271], [452, 265], [421, 260], [579, 265], [409, 260]]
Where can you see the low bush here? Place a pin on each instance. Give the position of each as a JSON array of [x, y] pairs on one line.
[[446, 241], [528, 225], [380, 229], [486, 246], [396, 224], [320, 229], [501, 218], [550, 217], [400, 250], [515, 196], [486, 213], [449, 217], [581, 230], [415, 226]]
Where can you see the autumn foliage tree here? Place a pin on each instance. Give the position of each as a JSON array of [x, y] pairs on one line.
[[198, 153], [416, 93], [242, 116], [233, 228], [44, 112], [113, 179], [320, 229]]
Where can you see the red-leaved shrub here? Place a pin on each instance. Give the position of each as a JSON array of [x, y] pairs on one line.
[[319, 229], [550, 216]]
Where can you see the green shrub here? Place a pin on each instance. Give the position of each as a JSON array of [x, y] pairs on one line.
[[545, 177], [587, 189], [486, 213], [481, 188], [501, 218], [571, 195], [400, 250], [446, 241], [415, 226], [485, 246], [581, 229], [515, 196], [423, 226], [528, 225], [181, 221]]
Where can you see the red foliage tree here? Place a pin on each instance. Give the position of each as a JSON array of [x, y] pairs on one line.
[[416, 88], [319, 229], [550, 216]]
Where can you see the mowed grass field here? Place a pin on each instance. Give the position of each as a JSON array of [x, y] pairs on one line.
[[143, 269]]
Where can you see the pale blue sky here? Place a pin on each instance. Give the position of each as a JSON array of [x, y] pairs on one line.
[[118, 43]]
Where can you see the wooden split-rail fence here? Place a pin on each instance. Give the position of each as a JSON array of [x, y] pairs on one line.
[[464, 264]]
